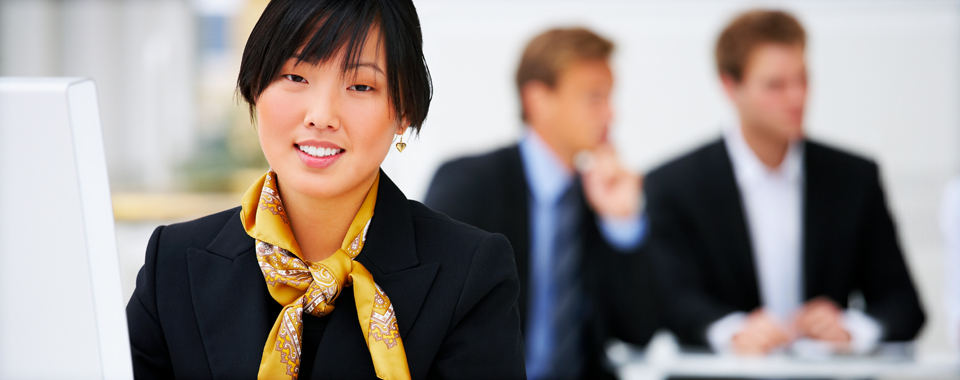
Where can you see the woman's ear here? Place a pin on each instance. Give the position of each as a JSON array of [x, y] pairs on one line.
[[402, 127]]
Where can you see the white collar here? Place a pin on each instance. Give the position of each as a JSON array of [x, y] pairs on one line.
[[748, 168]]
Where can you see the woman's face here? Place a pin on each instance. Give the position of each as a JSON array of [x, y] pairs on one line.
[[325, 132]]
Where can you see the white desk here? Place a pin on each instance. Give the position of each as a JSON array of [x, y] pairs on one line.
[[662, 359]]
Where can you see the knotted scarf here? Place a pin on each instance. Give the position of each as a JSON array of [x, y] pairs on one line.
[[305, 287]]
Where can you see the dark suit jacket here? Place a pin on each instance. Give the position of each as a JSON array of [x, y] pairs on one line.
[[700, 238], [490, 192], [201, 309]]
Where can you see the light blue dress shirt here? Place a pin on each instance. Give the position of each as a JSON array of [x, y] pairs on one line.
[[548, 179]]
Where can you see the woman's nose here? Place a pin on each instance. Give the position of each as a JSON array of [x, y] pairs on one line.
[[323, 111]]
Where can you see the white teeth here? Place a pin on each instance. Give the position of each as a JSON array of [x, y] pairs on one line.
[[319, 152]]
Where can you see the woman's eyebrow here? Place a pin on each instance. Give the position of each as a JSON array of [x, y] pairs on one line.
[[365, 64]]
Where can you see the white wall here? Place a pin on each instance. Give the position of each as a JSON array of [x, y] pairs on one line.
[[884, 83], [141, 55]]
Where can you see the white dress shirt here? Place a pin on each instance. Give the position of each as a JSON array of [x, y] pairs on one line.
[[773, 209], [950, 229]]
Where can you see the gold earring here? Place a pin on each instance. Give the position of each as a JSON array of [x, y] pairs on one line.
[[400, 145]]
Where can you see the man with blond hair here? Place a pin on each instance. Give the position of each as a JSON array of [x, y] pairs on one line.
[[577, 236]]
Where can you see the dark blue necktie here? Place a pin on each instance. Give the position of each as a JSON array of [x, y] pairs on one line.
[[567, 285]]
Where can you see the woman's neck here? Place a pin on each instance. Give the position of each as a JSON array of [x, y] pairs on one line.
[[320, 224]]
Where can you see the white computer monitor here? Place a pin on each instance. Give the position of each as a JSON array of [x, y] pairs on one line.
[[61, 305]]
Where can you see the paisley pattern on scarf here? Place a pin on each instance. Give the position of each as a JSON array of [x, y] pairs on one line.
[[305, 287], [383, 321]]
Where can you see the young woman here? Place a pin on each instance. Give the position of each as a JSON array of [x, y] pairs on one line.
[[326, 270]]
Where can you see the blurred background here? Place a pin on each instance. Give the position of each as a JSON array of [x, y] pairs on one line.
[[885, 82]]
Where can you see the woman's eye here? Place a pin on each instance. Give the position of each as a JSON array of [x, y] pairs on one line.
[[295, 78], [361, 87]]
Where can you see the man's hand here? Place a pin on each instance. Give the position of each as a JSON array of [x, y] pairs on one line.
[[612, 190], [821, 319], [760, 335]]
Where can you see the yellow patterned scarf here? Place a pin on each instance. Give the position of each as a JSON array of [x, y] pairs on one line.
[[302, 286]]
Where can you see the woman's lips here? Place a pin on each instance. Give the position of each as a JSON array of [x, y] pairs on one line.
[[318, 157]]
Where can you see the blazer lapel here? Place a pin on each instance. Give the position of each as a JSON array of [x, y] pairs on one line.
[[817, 206], [390, 255], [724, 203], [234, 310]]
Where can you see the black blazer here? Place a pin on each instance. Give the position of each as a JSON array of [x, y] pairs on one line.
[[201, 309], [490, 192], [701, 241]]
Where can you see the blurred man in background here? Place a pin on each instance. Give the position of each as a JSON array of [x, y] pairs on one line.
[[576, 236], [763, 235]]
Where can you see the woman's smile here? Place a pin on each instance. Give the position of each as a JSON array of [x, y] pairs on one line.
[[318, 154]]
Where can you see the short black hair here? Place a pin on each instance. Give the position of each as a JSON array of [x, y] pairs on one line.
[[322, 28]]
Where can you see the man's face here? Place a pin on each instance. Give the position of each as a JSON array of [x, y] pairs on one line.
[[772, 94], [577, 111]]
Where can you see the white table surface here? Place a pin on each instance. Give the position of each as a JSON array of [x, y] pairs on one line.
[[662, 359]]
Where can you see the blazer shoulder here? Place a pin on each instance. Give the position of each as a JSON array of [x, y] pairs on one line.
[[463, 188], [439, 235], [199, 232], [823, 155], [837, 166], [462, 247], [688, 167], [427, 219], [478, 168]]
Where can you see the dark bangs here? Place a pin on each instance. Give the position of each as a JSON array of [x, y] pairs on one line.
[[322, 28]]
